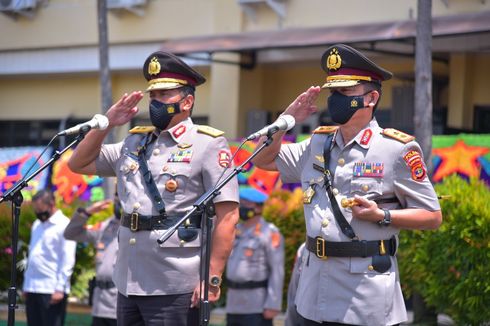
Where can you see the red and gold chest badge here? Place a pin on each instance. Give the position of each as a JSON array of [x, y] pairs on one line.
[[224, 159], [416, 165]]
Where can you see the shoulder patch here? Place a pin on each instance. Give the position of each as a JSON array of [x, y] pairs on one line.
[[325, 129], [398, 135], [210, 131], [142, 129], [275, 239]]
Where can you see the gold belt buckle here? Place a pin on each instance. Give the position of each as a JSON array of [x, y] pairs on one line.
[[134, 222], [320, 248]]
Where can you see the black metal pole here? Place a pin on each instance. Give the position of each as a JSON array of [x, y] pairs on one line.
[[200, 205], [14, 194]]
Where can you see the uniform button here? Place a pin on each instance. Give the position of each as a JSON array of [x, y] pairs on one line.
[[365, 188], [324, 223], [156, 151], [335, 191], [182, 242], [370, 267], [136, 206], [165, 168], [132, 241], [341, 161], [132, 166], [125, 169]]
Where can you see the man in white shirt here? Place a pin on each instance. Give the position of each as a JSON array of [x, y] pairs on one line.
[[49, 264]]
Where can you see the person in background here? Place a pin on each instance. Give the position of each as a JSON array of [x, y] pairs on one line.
[[255, 268], [292, 318], [104, 237], [49, 264]]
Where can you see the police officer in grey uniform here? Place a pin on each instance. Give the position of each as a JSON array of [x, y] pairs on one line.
[[104, 237], [255, 269], [162, 170], [292, 318], [361, 185]]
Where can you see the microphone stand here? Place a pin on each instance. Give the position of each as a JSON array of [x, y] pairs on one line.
[[203, 205], [15, 196]]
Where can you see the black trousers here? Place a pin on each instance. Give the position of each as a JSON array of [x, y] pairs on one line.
[[247, 320], [161, 310], [40, 312], [98, 321]]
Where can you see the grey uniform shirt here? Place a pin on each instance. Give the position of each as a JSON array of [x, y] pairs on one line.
[[342, 289], [104, 237], [257, 255], [195, 161]]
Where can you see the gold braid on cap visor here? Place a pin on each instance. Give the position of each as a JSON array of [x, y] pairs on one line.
[[167, 80], [347, 77]]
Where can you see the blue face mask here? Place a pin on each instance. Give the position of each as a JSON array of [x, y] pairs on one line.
[[161, 113], [342, 107]]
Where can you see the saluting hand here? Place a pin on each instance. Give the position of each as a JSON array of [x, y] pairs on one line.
[[304, 105], [366, 210], [125, 109]]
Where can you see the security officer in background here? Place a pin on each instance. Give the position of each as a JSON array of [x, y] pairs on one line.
[[104, 237], [255, 269], [292, 318], [350, 275], [161, 171]]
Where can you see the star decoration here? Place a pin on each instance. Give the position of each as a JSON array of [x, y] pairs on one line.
[[459, 158]]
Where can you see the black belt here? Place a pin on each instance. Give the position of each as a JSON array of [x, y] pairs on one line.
[[136, 222], [104, 284], [357, 248], [246, 285]]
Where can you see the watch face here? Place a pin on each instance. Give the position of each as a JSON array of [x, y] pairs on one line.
[[215, 280]]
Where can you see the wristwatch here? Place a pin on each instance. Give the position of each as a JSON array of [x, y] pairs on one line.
[[215, 281], [386, 221]]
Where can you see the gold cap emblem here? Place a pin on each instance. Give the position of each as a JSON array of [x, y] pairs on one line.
[[334, 61], [353, 104], [154, 66]]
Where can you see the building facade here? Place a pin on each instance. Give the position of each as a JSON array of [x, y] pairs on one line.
[[257, 55]]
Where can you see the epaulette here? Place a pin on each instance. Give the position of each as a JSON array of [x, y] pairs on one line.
[[325, 129], [398, 135], [210, 131], [142, 129]]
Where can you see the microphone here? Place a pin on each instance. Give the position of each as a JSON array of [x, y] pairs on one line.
[[284, 122], [99, 121]]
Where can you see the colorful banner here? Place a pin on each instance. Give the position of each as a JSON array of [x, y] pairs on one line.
[[466, 155], [19, 162], [70, 186]]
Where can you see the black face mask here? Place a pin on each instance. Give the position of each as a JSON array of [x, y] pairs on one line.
[[343, 107], [117, 209], [246, 213], [162, 113], [43, 216]]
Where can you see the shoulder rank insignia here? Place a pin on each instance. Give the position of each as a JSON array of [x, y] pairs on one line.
[[325, 129], [141, 129], [210, 131], [398, 135]]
